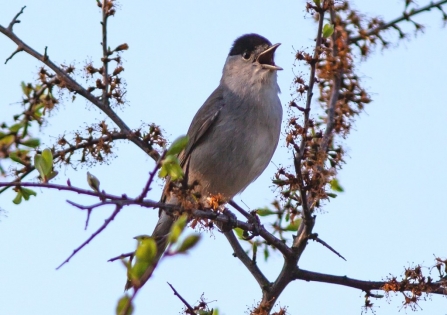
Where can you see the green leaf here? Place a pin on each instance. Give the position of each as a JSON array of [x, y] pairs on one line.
[[177, 229], [188, 243], [38, 164], [93, 182], [317, 2], [178, 145], [18, 199], [15, 157], [32, 143], [170, 166], [328, 30], [293, 226], [27, 88], [27, 193], [122, 303], [335, 185], [266, 253], [16, 127], [146, 250], [239, 232], [263, 212], [47, 157], [332, 195]]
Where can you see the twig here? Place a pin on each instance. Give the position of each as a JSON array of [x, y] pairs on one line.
[[130, 254], [266, 235], [405, 17], [190, 310], [101, 228], [105, 55], [252, 267], [151, 177], [301, 274], [319, 240], [74, 86], [19, 49], [14, 20]]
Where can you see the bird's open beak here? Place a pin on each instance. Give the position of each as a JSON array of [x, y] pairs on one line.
[[266, 58]]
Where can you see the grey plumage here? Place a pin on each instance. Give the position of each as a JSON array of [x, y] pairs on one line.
[[234, 134]]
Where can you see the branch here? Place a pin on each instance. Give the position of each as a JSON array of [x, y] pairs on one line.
[[190, 310], [101, 228], [301, 274], [405, 17], [74, 86], [252, 267]]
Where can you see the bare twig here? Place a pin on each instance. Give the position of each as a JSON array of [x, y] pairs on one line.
[[190, 310], [438, 287], [19, 49], [122, 256], [74, 86], [405, 17], [14, 20], [319, 240], [101, 228], [105, 53], [151, 177], [248, 263]]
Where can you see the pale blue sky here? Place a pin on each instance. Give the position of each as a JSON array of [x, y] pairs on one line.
[[392, 213]]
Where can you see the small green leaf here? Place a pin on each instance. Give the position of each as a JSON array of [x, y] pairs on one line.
[[170, 166], [178, 145], [266, 253], [47, 157], [332, 195], [32, 143], [293, 226], [15, 157], [16, 127], [122, 304], [263, 212], [27, 193], [335, 185], [18, 199], [177, 229], [188, 243], [328, 30], [239, 232], [27, 88], [93, 182], [317, 2], [38, 164], [146, 250]]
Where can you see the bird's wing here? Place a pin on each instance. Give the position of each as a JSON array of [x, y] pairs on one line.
[[202, 123], [200, 126]]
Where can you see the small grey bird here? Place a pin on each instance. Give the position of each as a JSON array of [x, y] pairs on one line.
[[234, 134]]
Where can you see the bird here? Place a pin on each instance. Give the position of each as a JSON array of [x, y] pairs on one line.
[[234, 134]]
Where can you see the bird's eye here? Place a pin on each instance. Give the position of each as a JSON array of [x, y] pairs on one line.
[[246, 55]]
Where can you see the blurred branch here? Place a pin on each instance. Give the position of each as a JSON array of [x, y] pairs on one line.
[[74, 86]]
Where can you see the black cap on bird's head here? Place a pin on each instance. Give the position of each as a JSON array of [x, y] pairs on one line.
[[255, 47]]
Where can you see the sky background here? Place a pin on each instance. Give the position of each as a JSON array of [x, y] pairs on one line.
[[391, 215]]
